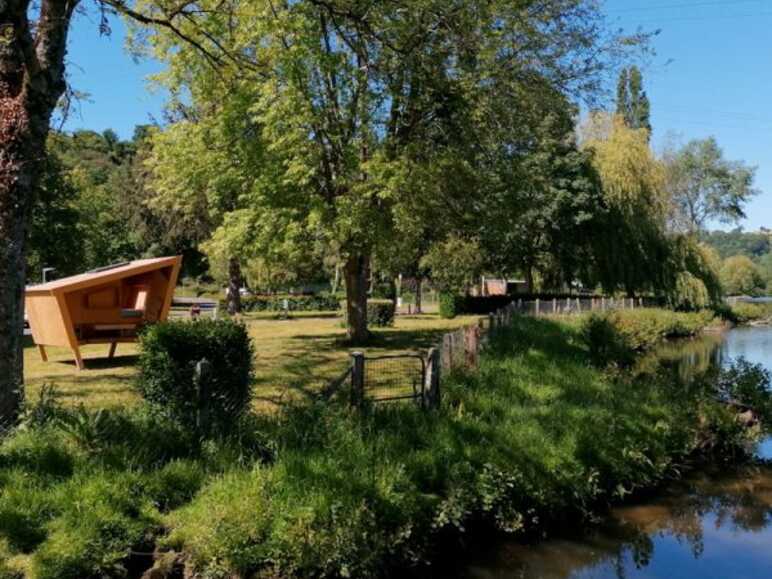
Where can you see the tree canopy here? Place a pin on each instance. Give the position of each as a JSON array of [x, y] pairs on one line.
[[632, 103], [706, 187]]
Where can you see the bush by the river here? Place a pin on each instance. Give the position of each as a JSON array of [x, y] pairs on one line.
[[537, 436], [617, 336], [197, 373], [745, 312]]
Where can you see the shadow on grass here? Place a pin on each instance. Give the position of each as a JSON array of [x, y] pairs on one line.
[[104, 363]]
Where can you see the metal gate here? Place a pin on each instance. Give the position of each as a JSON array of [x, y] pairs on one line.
[[398, 377]]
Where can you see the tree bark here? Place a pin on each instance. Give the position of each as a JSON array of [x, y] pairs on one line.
[[356, 271], [419, 294], [31, 82], [529, 283], [234, 286]]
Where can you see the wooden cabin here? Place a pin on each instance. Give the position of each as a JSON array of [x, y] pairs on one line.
[[103, 306]]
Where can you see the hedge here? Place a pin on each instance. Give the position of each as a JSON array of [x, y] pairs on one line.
[[316, 303], [451, 305], [197, 373]]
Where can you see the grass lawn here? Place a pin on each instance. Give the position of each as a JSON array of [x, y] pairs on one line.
[[292, 357]]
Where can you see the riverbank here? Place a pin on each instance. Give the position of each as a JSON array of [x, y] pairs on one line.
[[536, 437], [712, 524]]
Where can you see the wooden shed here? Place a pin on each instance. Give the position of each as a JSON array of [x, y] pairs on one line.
[[103, 306]]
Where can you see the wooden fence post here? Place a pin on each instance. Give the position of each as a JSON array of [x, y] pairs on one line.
[[537, 312], [472, 346], [447, 356], [357, 378], [432, 379]]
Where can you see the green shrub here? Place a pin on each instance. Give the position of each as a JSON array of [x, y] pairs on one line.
[[617, 336], [380, 313], [317, 303], [385, 291], [198, 373], [450, 305], [744, 312]]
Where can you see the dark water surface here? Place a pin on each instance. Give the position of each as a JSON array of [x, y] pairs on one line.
[[714, 525]]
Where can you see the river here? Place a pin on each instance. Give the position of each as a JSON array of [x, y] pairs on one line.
[[716, 524]]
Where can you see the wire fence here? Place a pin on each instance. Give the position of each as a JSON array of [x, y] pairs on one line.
[[418, 376], [388, 378]]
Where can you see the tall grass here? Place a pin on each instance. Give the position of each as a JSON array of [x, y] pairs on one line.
[[537, 436]]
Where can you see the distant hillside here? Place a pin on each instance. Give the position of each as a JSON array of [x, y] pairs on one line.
[[753, 244]]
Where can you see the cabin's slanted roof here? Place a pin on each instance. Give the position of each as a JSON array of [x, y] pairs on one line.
[[103, 275]]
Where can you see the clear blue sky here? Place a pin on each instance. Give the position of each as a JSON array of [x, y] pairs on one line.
[[712, 75]]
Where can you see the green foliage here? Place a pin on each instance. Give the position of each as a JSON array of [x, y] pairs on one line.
[[79, 504], [704, 185], [747, 386], [380, 313], [198, 373], [55, 231], [341, 501], [94, 541], [385, 291], [366, 493], [740, 276], [617, 336], [738, 242], [631, 245], [692, 281], [309, 157], [275, 303], [632, 103], [453, 264], [744, 312], [451, 304]]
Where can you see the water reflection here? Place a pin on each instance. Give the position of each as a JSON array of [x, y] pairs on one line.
[[710, 526], [715, 525]]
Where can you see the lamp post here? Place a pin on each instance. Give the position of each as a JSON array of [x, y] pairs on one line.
[[46, 271]]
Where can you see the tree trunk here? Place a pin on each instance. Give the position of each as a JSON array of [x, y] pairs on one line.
[[234, 286], [31, 82], [16, 190], [419, 294], [529, 279], [336, 280], [356, 298]]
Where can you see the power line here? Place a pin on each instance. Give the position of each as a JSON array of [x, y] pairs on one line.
[[682, 5], [702, 18]]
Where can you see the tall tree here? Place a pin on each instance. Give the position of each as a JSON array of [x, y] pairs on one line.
[[705, 186], [349, 93], [632, 103], [740, 276], [632, 246], [31, 82]]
